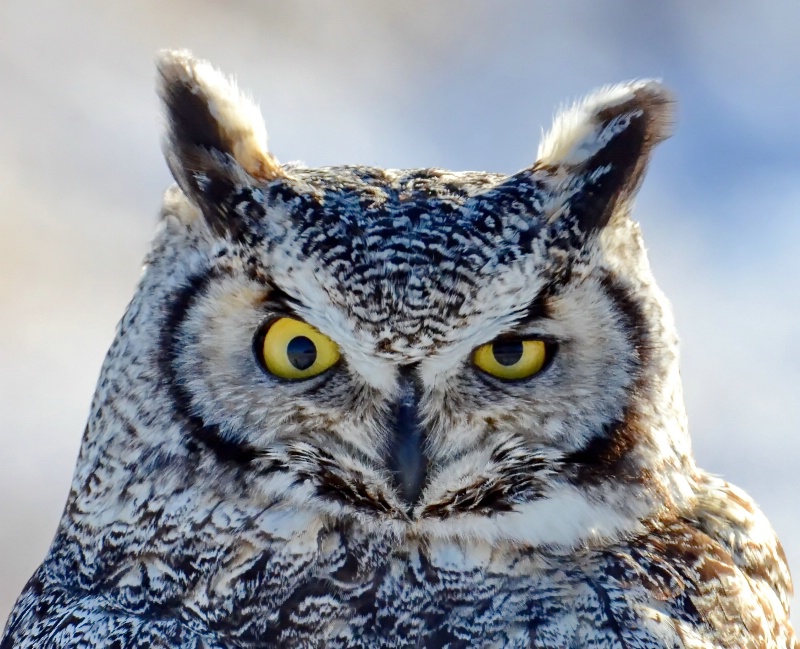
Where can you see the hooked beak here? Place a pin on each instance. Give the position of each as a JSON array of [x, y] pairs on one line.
[[406, 449]]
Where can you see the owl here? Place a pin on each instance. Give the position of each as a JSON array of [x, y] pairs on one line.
[[353, 407]]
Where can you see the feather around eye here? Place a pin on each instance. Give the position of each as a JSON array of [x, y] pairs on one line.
[[292, 349]]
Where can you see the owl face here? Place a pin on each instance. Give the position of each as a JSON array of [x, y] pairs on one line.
[[424, 352]]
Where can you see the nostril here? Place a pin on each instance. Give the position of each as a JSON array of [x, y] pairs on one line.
[[406, 448]]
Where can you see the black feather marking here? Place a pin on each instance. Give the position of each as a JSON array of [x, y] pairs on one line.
[[227, 451]]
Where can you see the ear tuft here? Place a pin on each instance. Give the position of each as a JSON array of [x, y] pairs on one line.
[[580, 131], [209, 118], [600, 147]]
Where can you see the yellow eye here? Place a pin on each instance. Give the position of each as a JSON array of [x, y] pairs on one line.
[[292, 349], [511, 359]]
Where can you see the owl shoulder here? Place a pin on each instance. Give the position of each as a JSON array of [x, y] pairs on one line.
[[46, 617], [717, 572], [732, 520]]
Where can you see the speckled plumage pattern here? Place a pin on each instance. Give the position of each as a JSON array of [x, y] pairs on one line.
[[217, 506]]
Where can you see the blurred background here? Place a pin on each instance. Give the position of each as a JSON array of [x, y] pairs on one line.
[[454, 83]]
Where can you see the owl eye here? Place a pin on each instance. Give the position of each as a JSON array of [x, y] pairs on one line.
[[512, 359], [292, 349]]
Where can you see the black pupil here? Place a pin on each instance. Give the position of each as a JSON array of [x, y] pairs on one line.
[[507, 352], [301, 352]]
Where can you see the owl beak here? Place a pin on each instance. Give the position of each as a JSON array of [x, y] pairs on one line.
[[406, 449]]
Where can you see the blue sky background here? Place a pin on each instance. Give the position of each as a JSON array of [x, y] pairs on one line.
[[456, 83]]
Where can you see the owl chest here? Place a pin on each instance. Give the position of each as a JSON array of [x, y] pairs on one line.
[[362, 596], [427, 599]]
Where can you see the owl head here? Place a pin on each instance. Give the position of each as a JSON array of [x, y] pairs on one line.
[[422, 352]]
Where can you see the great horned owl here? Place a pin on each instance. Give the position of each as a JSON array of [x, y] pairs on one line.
[[356, 407]]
